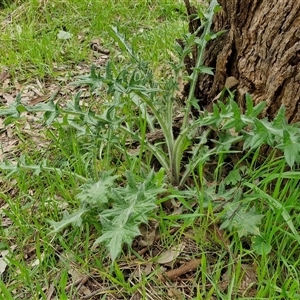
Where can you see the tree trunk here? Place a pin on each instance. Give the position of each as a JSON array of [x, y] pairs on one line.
[[261, 49]]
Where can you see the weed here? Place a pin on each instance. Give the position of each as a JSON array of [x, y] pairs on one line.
[[114, 166], [155, 105]]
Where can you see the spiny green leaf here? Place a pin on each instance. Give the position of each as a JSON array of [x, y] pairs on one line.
[[131, 206], [115, 234], [233, 177], [291, 148], [259, 136], [253, 111], [205, 70], [258, 108], [137, 206], [237, 218], [14, 110], [225, 141], [280, 120], [119, 38], [68, 219], [214, 35], [96, 194], [94, 79]]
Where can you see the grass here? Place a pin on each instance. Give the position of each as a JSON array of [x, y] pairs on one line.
[[61, 167], [30, 37]]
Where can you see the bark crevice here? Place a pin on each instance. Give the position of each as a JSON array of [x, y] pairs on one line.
[[261, 48]]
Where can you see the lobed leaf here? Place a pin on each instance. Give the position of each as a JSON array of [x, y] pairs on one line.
[[242, 221], [97, 193], [68, 219]]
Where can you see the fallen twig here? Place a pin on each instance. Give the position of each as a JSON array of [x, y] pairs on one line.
[[188, 267]]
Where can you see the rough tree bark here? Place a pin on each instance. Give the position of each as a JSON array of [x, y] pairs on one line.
[[261, 49]]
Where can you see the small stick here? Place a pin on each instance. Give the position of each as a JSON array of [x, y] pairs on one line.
[[188, 267]]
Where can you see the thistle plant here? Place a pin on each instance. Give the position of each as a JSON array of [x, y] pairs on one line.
[[152, 108], [156, 103]]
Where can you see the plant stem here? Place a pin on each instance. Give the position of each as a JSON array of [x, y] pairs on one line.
[[201, 50], [160, 156], [178, 146], [167, 131]]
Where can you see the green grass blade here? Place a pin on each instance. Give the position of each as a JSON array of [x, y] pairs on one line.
[[276, 205]]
